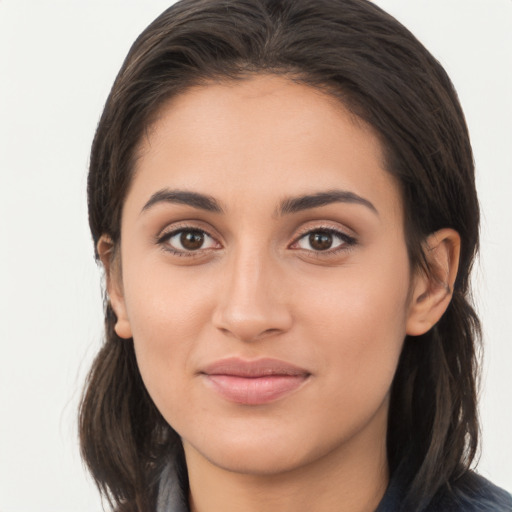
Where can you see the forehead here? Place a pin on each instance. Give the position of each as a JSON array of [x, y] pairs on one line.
[[267, 135], [241, 107]]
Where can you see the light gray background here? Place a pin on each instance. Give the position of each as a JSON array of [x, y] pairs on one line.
[[57, 62]]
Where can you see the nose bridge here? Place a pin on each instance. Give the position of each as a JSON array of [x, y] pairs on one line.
[[250, 304]]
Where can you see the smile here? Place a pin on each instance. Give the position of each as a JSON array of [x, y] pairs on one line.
[[254, 382]]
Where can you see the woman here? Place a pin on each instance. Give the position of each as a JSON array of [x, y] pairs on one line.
[[282, 196]]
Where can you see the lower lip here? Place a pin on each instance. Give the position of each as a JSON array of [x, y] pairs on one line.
[[255, 390]]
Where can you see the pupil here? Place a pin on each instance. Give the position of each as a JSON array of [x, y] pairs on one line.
[[320, 241], [192, 240]]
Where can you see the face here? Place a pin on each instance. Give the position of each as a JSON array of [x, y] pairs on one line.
[[265, 276]]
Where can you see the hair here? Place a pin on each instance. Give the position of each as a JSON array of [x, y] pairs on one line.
[[376, 68]]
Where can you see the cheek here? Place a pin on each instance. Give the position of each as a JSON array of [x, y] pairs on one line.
[[358, 322], [167, 315], [164, 302]]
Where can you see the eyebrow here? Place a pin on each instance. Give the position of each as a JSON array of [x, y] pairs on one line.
[[194, 199], [306, 202], [287, 206]]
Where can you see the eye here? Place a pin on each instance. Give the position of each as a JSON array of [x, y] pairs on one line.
[[187, 240], [320, 240]]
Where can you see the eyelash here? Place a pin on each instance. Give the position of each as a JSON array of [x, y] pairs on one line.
[[348, 241]]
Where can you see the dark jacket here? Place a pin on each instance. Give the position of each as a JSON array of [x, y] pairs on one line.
[[471, 493]]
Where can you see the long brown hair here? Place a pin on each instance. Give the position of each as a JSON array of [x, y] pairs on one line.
[[380, 71]]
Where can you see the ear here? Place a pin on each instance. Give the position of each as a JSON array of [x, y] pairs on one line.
[[112, 265], [431, 293]]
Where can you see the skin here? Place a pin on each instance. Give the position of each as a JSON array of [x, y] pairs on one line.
[[258, 287]]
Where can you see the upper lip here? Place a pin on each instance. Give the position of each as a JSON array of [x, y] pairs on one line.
[[238, 367]]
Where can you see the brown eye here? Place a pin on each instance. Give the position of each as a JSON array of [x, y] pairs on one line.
[[320, 241], [192, 240]]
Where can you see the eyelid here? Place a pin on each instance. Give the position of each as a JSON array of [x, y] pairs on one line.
[[323, 225], [188, 224]]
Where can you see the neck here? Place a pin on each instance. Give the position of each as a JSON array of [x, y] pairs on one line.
[[348, 479]]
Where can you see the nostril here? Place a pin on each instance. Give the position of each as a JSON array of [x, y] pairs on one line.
[[270, 332], [248, 334]]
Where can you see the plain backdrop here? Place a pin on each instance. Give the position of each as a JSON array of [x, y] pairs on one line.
[[57, 62]]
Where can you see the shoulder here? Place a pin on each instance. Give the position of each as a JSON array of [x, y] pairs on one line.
[[471, 493]]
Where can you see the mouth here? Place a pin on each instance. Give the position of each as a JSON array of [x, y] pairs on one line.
[[255, 382]]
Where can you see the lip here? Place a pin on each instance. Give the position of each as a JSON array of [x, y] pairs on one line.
[[254, 382]]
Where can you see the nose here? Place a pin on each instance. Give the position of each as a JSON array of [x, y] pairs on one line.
[[252, 303]]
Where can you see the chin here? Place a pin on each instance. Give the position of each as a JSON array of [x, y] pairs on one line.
[[258, 455], [256, 461]]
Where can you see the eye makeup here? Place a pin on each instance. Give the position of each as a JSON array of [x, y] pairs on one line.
[[194, 241], [187, 240]]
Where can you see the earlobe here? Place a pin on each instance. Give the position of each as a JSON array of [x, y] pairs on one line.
[[110, 260], [432, 291]]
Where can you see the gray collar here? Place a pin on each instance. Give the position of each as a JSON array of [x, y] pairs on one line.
[[170, 494]]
